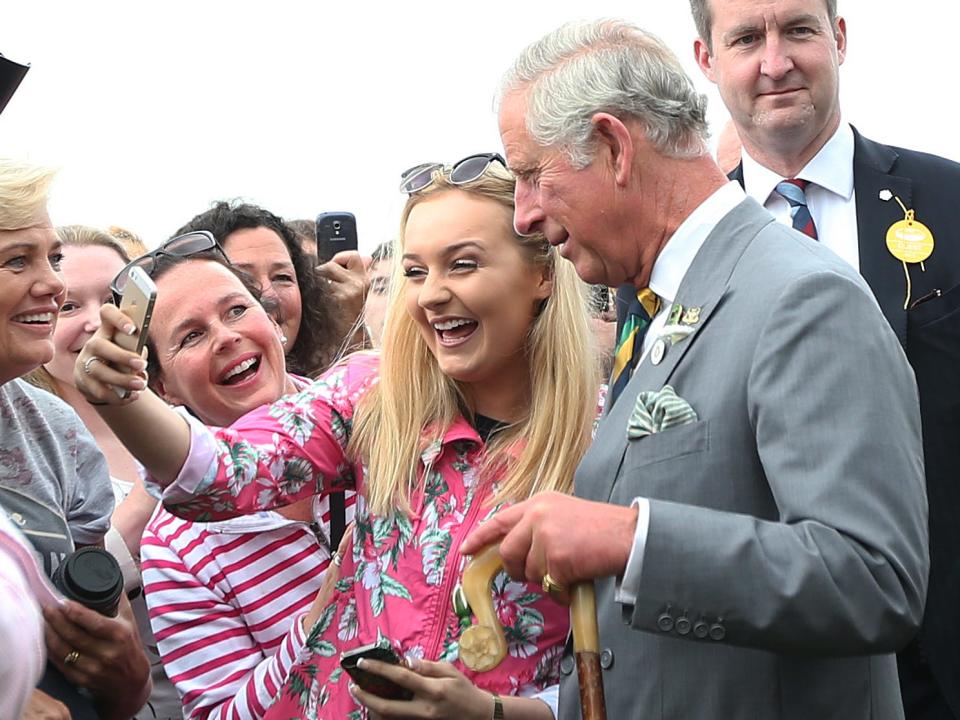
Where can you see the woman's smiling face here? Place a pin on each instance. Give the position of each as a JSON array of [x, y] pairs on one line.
[[31, 292], [219, 352], [262, 253], [471, 289], [87, 271]]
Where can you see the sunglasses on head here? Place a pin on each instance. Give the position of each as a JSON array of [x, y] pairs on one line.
[[185, 245], [420, 177]]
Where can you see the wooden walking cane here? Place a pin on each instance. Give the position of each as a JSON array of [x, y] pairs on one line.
[[483, 645]]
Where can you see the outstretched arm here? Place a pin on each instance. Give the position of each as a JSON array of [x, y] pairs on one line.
[[153, 433], [273, 456]]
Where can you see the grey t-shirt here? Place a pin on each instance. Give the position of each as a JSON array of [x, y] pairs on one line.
[[54, 481]]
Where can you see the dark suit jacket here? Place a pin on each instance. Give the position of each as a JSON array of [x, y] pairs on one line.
[[930, 334]]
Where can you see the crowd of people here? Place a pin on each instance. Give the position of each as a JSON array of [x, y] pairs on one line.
[[724, 399]]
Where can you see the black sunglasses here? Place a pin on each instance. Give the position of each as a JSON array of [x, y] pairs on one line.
[[184, 245], [420, 177]]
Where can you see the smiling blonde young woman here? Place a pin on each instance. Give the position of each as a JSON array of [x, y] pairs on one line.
[[484, 394]]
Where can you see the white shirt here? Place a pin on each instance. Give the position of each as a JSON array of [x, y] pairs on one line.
[[669, 269], [830, 197]]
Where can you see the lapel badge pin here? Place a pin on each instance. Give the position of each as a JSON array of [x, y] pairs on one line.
[[657, 352], [908, 240], [676, 311], [691, 316]]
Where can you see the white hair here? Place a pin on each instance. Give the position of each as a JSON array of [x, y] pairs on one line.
[[23, 193], [611, 66]]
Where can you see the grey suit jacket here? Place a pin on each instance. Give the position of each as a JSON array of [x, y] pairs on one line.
[[786, 558]]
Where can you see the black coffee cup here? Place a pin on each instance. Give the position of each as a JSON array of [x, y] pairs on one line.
[[91, 576]]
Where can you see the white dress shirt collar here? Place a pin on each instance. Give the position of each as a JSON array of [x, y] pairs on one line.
[[682, 247], [831, 169]]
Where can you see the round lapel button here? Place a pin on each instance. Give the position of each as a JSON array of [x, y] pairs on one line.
[[657, 352]]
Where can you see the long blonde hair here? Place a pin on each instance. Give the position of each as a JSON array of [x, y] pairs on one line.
[[414, 403]]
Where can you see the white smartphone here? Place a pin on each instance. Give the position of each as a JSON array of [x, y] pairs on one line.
[[139, 295]]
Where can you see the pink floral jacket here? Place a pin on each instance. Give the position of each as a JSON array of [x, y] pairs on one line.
[[397, 583]]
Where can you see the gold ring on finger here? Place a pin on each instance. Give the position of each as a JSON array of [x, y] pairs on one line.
[[71, 657], [551, 586]]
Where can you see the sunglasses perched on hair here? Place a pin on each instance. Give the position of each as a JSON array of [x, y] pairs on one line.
[[185, 245], [420, 177]]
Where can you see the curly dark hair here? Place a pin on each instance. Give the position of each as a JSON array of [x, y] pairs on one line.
[[318, 339], [306, 232]]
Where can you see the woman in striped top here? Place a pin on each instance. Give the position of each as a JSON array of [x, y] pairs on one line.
[[225, 598]]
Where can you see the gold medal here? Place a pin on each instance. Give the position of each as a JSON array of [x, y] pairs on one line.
[[909, 241]]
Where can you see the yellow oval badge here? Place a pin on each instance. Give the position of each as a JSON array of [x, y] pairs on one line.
[[910, 241]]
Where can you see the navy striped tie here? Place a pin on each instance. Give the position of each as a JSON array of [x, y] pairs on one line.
[[793, 191]]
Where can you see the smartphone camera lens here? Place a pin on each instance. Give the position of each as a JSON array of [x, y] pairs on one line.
[[336, 225]]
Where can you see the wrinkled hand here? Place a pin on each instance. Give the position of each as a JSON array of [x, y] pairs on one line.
[[111, 662], [330, 578], [439, 691], [41, 706], [113, 366], [347, 282], [571, 538]]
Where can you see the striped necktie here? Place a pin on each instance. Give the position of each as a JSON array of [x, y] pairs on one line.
[[643, 307], [793, 191]]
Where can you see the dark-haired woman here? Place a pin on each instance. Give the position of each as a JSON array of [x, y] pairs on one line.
[[315, 309]]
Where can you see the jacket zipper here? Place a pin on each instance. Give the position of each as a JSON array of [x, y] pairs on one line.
[[446, 586]]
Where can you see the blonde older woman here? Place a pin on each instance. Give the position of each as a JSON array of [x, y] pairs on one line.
[[54, 482]]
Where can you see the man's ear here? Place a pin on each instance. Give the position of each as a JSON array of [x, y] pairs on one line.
[[615, 144], [840, 33], [704, 58]]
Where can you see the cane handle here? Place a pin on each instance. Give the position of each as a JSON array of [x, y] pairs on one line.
[[483, 645]]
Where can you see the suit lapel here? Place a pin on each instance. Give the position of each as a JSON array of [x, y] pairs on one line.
[[872, 164], [883, 272], [703, 286]]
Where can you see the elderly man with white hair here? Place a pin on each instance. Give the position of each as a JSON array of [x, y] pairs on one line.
[[752, 511]]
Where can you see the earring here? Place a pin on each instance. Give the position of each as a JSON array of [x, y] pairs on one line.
[[283, 339]]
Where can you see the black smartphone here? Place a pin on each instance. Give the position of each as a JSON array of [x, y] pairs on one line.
[[376, 684], [336, 232]]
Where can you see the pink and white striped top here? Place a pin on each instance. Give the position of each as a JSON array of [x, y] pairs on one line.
[[225, 601]]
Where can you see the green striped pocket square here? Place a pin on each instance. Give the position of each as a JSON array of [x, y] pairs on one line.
[[658, 410]]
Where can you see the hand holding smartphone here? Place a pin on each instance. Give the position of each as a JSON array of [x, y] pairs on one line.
[[139, 296], [370, 682], [336, 232]]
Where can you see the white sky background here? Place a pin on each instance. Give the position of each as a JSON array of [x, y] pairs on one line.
[[153, 111]]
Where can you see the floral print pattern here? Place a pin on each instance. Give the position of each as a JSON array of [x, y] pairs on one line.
[[398, 578]]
